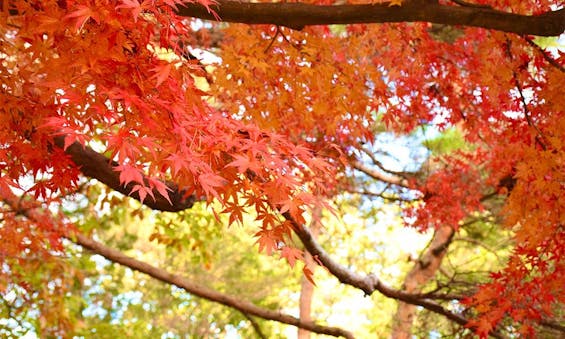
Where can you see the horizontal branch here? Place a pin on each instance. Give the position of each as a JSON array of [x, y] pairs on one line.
[[299, 15]]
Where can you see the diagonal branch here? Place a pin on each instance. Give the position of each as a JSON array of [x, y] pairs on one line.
[[381, 176], [371, 283], [246, 307], [299, 15], [379, 164], [95, 165], [422, 272], [86, 158], [36, 214]]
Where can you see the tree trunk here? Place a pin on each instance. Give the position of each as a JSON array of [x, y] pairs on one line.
[[422, 272], [306, 287]]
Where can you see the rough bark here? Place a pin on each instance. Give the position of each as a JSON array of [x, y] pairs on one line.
[[423, 271], [299, 15]]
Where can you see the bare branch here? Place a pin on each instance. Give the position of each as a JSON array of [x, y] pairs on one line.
[[299, 15], [379, 195], [384, 177], [255, 326], [370, 283], [203, 291], [379, 164], [35, 213], [367, 283], [479, 243]]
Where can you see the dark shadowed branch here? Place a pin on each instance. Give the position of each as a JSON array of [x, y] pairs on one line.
[[95, 165], [299, 15]]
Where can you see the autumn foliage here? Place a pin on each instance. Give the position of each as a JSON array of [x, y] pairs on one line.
[[284, 118]]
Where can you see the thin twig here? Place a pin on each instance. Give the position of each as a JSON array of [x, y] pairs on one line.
[[545, 55], [540, 137], [255, 326]]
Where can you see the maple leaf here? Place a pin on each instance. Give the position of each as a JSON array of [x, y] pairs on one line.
[[81, 15], [135, 7], [128, 174], [309, 275], [209, 182], [142, 191], [241, 162], [266, 241], [161, 73], [291, 255], [161, 188]]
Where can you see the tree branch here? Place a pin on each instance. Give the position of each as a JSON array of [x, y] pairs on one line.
[[36, 214], [255, 326], [553, 325], [422, 272], [94, 165], [381, 176], [367, 283], [299, 15], [553, 62], [203, 291], [379, 164], [371, 283], [97, 166]]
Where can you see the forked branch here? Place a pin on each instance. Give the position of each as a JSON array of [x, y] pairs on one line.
[[367, 283]]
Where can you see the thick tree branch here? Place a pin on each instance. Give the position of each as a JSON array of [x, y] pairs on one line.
[[298, 15], [94, 165], [36, 214]]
